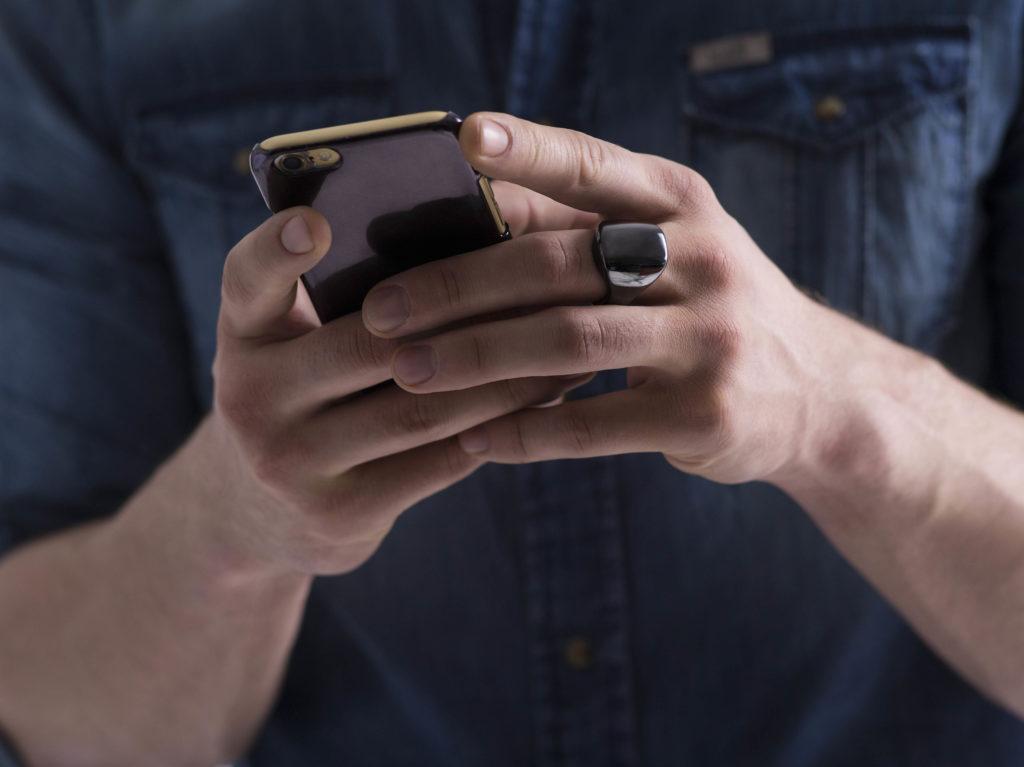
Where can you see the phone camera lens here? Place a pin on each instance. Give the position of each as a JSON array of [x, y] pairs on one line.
[[317, 159]]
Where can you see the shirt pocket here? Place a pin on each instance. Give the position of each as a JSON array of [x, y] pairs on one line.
[[845, 154]]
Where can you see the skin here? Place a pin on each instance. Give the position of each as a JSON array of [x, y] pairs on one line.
[[734, 374], [159, 636]]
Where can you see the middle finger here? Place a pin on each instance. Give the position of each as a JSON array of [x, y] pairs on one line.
[[555, 341]]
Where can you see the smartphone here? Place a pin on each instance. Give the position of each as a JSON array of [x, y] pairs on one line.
[[397, 192]]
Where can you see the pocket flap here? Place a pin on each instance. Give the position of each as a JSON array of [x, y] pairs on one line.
[[828, 87]]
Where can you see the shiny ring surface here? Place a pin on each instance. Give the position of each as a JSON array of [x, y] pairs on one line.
[[631, 257]]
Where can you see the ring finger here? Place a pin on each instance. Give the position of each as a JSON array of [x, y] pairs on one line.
[[390, 420]]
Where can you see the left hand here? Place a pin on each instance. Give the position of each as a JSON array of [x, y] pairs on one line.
[[726, 358]]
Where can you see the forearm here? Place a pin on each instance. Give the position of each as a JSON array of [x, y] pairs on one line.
[[137, 640], [919, 480]]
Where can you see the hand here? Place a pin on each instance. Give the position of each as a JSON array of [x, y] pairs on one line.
[[313, 483], [725, 355]]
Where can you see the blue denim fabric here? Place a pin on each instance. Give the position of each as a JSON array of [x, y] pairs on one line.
[[723, 628]]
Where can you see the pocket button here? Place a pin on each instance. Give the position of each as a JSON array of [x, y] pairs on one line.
[[830, 108], [578, 653]]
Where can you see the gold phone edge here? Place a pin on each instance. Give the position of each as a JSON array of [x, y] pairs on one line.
[[492, 204], [382, 125], [351, 130]]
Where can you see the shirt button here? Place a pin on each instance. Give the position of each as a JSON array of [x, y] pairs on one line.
[[578, 653], [830, 108]]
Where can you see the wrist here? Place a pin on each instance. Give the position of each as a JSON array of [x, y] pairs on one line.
[[194, 513], [859, 421]]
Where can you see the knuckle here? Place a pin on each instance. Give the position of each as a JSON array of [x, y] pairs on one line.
[[592, 158], [591, 341], [559, 263], [518, 441], [579, 432], [419, 414], [361, 349], [583, 337], [477, 353], [450, 288], [684, 185], [541, 149], [707, 416], [710, 262], [698, 189], [236, 286], [720, 340]]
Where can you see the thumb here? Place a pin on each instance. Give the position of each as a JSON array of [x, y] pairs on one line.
[[261, 272]]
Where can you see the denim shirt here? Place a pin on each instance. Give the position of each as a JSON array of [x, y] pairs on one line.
[[611, 611]]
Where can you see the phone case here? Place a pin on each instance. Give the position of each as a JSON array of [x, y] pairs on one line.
[[402, 194]]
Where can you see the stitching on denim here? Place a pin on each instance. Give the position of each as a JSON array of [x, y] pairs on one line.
[[614, 577], [588, 92], [521, 57], [946, 25], [956, 29], [955, 268], [868, 203], [743, 127]]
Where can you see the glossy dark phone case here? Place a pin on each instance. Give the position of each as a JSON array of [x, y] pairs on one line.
[[401, 195]]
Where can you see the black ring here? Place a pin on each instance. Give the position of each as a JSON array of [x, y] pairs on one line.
[[631, 257]]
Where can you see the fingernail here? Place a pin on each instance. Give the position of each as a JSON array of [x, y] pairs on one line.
[[296, 237], [475, 440], [493, 138], [387, 308], [415, 364], [552, 402]]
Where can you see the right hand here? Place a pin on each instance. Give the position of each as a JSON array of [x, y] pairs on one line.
[[311, 478]]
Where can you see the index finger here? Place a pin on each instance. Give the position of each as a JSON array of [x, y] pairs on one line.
[[576, 169], [528, 211]]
